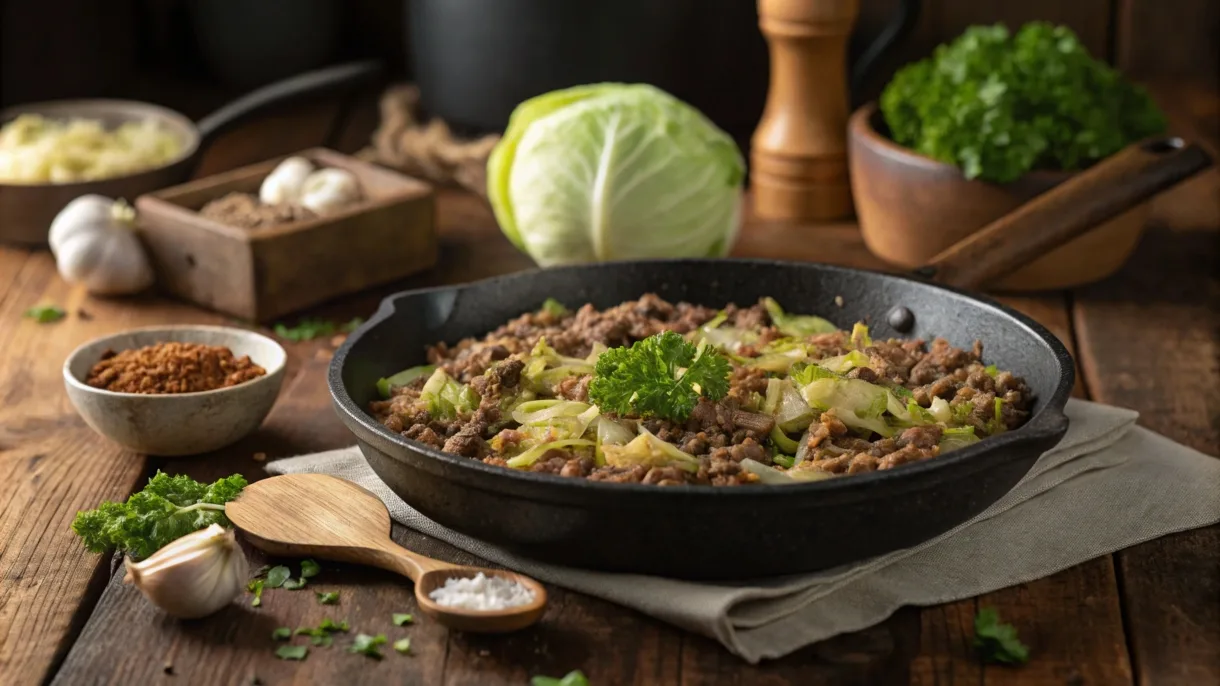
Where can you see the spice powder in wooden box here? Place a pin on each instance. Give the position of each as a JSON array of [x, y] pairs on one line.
[[270, 270]]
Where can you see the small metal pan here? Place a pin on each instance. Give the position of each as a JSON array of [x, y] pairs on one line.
[[26, 210], [705, 532]]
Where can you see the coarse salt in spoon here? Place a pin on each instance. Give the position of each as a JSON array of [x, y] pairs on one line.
[[317, 515]]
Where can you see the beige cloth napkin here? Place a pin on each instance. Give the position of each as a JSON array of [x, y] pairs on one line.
[[1108, 485]]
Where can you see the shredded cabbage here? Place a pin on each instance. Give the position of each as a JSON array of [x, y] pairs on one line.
[[785, 403], [842, 364], [858, 404], [446, 398], [648, 450], [859, 337], [771, 475], [952, 439], [800, 325], [34, 149], [529, 457], [406, 376]]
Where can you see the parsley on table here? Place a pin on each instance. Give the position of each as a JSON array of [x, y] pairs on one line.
[[321, 634], [997, 642], [401, 618], [277, 576], [367, 645], [294, 584], [168, 508], [281, 634], [45, 314], [403, 645], [661, 376], [574, 678], [329, 624], [309, 329], [309, 569], [292, 652], [329, 598], [256, 587]]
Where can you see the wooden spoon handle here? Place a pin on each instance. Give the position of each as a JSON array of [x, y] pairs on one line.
[[395, 558], [1068, 210]]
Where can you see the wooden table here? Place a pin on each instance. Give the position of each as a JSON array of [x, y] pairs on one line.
[[1146, 339]]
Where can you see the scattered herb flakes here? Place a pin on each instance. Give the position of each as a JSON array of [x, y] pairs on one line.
[[256, 587], [45, 314], [996, 642], [367, 645], [294, 585], [277, 576], [401, 618], [329, 624], [309, 569], [330, 598], [292, 652], [574, 678], [403, 645], [281, 634], [309, 329]]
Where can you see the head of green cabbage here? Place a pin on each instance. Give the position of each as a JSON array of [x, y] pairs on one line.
[[615, 171]]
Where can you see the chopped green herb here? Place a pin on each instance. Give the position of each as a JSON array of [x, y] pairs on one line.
[[785, 461], [329, 624], [663, 376], [401, 618], [292, 652], [277, 576], [329, 598], [45, 314], [309, 329], [294, 585], [575, 678], [997, 642], [309, 569], [168, 508], [367, 645], [256, 587], [282, 634], [403, 645]]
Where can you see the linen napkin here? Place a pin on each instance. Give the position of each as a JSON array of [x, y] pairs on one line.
[[1108, 485]]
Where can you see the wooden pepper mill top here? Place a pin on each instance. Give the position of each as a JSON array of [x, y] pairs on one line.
[[798, 155]]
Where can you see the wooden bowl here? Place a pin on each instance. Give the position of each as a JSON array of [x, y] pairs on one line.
[[177, 423], [912, 207]]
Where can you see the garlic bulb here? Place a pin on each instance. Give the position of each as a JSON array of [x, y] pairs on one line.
[[283, 184], [193, 576], [94, 244], [329, 189]]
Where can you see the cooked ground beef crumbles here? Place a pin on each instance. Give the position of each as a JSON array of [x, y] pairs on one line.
[[172, 368], [804, 400]]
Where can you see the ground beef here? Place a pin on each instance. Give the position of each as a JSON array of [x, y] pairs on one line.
[[720, 435], [172, 367]]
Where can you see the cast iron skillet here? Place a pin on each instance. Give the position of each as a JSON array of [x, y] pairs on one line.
[[707, 532]]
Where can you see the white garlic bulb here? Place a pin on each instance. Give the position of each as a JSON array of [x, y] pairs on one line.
[[283, 184], [327, 190], [94, 244], [193, 576]]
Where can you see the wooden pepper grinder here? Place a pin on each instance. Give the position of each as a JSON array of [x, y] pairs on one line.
[[798, 155]]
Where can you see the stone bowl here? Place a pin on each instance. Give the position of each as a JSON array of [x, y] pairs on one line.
[[181, 423]]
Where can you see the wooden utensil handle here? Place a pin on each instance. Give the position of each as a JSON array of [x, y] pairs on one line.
[[1112, 186], [393, 557]]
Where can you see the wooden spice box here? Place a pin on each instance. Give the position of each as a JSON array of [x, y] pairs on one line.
[[264, 273]]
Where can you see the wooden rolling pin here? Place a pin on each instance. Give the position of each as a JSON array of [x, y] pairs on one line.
[[798, 155]]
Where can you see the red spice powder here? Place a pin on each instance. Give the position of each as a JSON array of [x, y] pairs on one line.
[[172, 368]]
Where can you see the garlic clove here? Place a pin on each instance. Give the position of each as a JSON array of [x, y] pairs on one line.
[[283, 184], [195, 575], [80, 214], [94, 244], [327, 190]]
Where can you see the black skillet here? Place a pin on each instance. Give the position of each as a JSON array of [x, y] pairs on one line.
[[705, 532]]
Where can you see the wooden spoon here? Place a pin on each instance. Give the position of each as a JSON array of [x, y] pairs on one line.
[[316, 515]]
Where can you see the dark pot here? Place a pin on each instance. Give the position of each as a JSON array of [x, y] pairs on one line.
[[475, 60]]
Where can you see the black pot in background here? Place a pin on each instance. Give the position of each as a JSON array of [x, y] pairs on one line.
[[475, 60], [248, 44]]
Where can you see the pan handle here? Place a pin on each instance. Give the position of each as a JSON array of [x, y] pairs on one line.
[[342, 77], [1071, 209]]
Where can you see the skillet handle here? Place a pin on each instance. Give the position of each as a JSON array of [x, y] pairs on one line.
[[1071, 209], [339, 78]]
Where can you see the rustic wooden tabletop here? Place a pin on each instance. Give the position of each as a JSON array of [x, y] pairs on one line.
[[1148, 339]]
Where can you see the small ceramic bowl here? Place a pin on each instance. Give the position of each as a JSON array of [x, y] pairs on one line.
[[179, 423], [912, 207]]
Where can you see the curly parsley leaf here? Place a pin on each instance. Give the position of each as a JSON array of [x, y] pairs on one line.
[[998, 104], [45, 314], [996, 642], [574, 678], [168, 508], [367, 645], [661, 376]]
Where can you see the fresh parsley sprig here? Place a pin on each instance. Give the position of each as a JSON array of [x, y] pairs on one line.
[[168, 508], [996, 642], [661, 376]]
